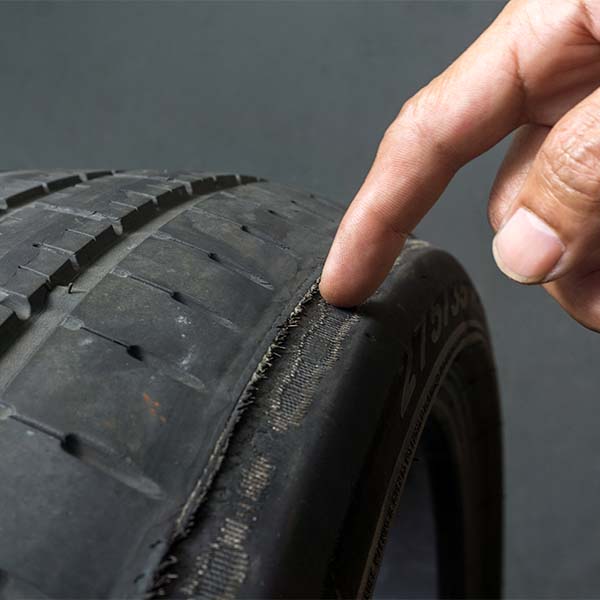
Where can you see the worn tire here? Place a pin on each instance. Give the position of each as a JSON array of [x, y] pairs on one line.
[[181, 414]]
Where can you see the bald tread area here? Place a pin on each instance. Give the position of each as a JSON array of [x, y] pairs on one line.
[[134, 309]]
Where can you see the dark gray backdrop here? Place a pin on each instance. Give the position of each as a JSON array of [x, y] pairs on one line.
[[300, 93]]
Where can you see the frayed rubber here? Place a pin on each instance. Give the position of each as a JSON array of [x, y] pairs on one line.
[[185, 520]]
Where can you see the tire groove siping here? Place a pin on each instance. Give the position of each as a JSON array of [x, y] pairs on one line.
[[92, 454], [73, 212], [224, 263], [254, 231], [149, 359], [305, 209], [180, 297]]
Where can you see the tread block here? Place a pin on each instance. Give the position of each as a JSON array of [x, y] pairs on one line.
[[168, 264], [141, 416], [30, 289], [25, 227], [21, 186], [57, 269], [256, 216], [165, 193], [126, 200], [182, 335], [277, 201], [13, 193], [71, 242], [129, 217], [101, 230], [35, 522], [206, 183], [227, 239], [321, 207]]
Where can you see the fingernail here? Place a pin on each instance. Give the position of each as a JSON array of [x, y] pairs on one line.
[[527, 248]]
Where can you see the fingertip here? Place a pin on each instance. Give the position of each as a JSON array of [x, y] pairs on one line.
[[337, 291], [339, 297], [358, 262]]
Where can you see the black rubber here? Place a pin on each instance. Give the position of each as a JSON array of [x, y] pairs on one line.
[[181, 414]]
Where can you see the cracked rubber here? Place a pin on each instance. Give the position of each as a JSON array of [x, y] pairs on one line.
[[182, 415]]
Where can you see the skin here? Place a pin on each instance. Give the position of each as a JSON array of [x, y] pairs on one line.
[[535, 70]]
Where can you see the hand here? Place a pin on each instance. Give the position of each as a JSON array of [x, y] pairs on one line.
[[536, 68]]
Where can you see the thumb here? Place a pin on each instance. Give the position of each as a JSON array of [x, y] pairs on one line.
[[554, 221]]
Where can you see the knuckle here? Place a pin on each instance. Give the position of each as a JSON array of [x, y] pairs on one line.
[[416, 115], [408, 122], [418, 123], [415, 108], [391, 137], [570, 165]]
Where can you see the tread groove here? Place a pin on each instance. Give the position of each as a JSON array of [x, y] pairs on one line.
[[167, 368], [74, 212], [38, 188], [83, 233], [179, 297], [196, 304], [149, 359], [56, 250], [90, 453], [39, 273], [226, 264], [258, 234], [302, 207], [19, 343], [9, 412], [111, 464], [272, 212]]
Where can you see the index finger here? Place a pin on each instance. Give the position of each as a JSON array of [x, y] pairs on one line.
[[476, 102]]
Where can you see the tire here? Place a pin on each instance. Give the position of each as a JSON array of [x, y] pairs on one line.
[[182, 415]]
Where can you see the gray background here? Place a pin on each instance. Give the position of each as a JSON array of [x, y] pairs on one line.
[[301, 93]]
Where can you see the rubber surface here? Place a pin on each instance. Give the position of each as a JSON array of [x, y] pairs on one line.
[[181, 414]]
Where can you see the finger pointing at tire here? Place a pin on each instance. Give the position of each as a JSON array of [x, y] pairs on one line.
[[436, 132], [538, 63]]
